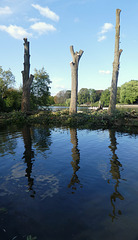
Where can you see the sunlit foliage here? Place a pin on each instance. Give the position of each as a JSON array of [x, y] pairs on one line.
[[40, 88], [129, 92]]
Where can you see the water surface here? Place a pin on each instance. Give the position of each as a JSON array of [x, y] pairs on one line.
[[68, 184]]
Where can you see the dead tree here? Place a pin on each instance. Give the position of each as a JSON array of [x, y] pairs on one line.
[[75, 159], [117, 54], [115, 172], [74, 76], [28, 157], [27, 80]]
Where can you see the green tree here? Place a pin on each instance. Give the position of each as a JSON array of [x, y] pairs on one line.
[[105, 97], [7, 81], [13, 99], [40, 88], [51, 100], [68, 94], [83, 96], [68, 102], [98, 94], [129, 92], [93, 95]]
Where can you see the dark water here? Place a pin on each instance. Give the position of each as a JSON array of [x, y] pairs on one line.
[[70, 184]]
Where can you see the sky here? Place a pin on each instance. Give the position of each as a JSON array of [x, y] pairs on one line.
[[52, 26]]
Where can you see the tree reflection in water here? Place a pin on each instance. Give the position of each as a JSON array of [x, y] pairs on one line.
[[115, 171], [76, 160], [28, 155], [41, 137], [8, 142]]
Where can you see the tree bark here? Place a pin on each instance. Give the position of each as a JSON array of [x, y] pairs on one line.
[[27, 80], [74, 76], [117, 54]]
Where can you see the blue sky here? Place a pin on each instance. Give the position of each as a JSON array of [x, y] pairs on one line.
[[51, 26]]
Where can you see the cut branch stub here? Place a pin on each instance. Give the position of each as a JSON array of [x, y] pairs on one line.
[[75, 55]]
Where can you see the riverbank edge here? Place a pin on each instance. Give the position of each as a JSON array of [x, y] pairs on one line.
[[117, 105], [127, 121]]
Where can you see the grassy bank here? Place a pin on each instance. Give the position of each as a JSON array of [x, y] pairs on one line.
[[95, 120]]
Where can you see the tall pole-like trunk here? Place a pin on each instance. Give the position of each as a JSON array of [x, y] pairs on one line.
[[75, 159], [115, 172], [28, 157], [74, 76], [27, 80], [117, 53]]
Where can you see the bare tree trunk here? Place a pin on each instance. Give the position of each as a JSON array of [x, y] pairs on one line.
[[115, 171], [27, 80], [28, 157], [75, 159], [115, 73], [74, 76]]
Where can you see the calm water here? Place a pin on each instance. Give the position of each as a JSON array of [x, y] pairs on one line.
[[70, 184], [60, 108], [87, 109]]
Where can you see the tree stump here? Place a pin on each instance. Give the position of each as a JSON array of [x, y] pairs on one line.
[[74, 76], [27, 80]]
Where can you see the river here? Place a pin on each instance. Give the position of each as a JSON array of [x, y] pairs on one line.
[[86, 109], [58, 184]]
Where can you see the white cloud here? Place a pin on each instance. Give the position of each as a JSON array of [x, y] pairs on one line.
[[101, 38], [5, 11], [106, 27], [33, 19], [42, 27], [15, 31], [104, 72], [46, 12]]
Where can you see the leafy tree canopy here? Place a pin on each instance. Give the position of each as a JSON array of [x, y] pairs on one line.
[[51, 100], [7, 80], [12, 100], [105, 97], [93, 95], [129, 92], [88, 95], [83, 96], [68, 102], [41, 82], [40, 88]]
